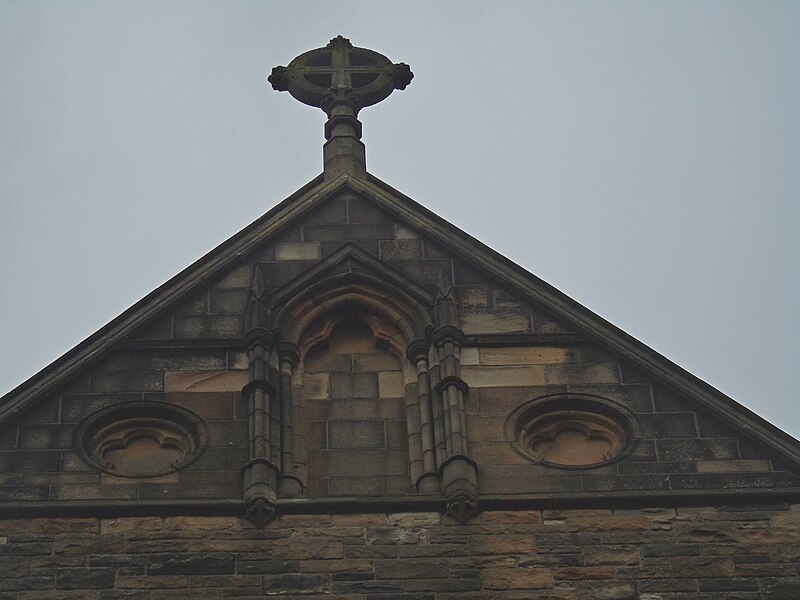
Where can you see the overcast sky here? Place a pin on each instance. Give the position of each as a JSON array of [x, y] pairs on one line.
[[643, 157]]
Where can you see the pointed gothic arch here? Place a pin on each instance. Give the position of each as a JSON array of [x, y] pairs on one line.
[[354, 389]]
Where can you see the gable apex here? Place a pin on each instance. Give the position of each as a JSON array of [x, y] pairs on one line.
[[461, 245]]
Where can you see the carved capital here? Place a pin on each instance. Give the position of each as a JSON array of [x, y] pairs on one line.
[[288, 352], [447, 333], [418, 349], [259, 336]]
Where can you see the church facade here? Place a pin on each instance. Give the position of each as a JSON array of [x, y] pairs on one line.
[[353, 399]]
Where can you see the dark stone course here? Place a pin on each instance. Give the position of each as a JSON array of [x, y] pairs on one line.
[[51, 437], [123, 595], [191, 564], [411, 569], [229, 301], [600, 483], [295, 583], [278, 274], [165, 360], [659, 550], [423, 272], [353, 576], [367, 587], [636, 397], [668, 401], [45, 412], [26, 583], [362, 210], [26, 549], [76, 407], [210, 406], [433, 250], [634, 468], [332, 211], [266, 566], [292, 233], [668, 425], [228, 434], [752, 450], [401, 596], [117, 560], [30, 461], [8, 437], [711, 427], [24, 493], [85, 578], [786, 588], [160, 329], [400, 249], [547, 323], [368, 246], [631, 374], [333, 233], [128, 381], [153, 491], [467, 274], [93, 491], [208, 326], [734, 480], [606, 590], [196, 305], [728, 584], [697, 449]]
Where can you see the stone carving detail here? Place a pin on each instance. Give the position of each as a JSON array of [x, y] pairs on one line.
[[141, 439], [301, 361], [574, 438], [572, 431], [340, 73], [462, 508], [341, 80]]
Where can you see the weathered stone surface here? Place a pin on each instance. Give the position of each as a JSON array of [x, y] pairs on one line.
[[297, 251], [205, 381], [190, 564]]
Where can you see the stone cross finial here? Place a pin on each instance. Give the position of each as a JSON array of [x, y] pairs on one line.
[[341, 80]]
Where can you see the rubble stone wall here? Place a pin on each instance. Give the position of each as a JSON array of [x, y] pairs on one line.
[[741, 553]]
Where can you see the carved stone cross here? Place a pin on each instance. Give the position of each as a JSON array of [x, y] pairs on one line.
[[341, 73], [341, 80]]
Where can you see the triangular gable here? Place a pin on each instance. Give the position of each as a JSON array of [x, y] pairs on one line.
[[461, 245]]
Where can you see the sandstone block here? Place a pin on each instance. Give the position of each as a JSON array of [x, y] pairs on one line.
[[297, 251], [479, 377], [205, 381], [517, 579]]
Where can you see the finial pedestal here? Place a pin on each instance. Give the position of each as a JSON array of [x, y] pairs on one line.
[[344, 152]]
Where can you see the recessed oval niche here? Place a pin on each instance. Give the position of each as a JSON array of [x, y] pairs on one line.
[[142, 439], [572, 432]]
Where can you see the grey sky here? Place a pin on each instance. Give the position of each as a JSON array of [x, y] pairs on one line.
[[642, 157]]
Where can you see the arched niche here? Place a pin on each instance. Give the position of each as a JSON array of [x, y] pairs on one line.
[[354, 381]]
